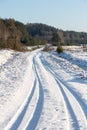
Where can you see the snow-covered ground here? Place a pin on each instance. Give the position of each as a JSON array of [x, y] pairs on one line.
[[43, 90]]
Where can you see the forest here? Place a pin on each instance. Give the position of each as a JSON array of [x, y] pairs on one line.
[[16, 35]]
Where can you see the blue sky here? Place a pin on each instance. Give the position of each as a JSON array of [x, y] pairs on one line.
[[62, 14]]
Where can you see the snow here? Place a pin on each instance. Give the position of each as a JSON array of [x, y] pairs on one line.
[[43, 90], [5, 55], [51, 109]]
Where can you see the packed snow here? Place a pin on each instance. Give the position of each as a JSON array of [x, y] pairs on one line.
[[43, 90]]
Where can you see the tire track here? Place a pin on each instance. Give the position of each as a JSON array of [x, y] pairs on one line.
[[33, 123], [49, 91], [14, 125], [74, 97], [28, 114]]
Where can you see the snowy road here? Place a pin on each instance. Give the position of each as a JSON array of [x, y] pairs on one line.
[[56, 98]]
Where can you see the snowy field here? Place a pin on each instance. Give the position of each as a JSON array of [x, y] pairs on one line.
[[43, 90]]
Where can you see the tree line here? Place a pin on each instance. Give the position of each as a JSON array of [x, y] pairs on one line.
[[15, 35]]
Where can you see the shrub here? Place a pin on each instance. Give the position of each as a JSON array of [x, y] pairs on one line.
[[59, 49]]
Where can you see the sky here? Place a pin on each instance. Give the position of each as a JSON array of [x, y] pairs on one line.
[[62, 14]]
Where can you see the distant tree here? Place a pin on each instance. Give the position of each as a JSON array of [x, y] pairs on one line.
[[56, 39]]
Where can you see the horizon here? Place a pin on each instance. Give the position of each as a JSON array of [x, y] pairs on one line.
[[67, 16]]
